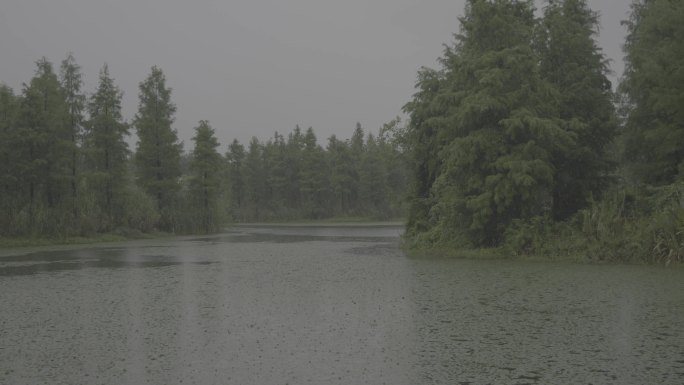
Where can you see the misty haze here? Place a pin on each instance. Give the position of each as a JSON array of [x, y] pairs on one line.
[[385, 192]]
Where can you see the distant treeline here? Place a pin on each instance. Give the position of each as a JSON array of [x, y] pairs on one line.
[[295, 178], [66, 169], [519, 144]]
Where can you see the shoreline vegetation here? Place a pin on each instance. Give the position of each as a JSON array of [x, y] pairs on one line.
[[518, 146], [66, 169], [521, 146], [27, 242], [124, 235]]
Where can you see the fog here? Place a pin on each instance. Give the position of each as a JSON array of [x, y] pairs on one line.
[[253, 68]]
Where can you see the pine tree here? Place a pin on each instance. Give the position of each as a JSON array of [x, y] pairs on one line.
[[275, 160], [573, 63], [106, 150], [342, 174], [373, 180], [356, 146], [235, 157], [314, 181], [205, 180], [295, 149], [390, 143], [423, 146], [255, 180], [158, 150], [71, 81], [492, 121], [46, 150], [10, 193], [653, 87]]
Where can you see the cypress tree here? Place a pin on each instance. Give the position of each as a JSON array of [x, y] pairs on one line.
[[235, 157], [205, 181], [491, 122], [373, 178], [71, 81], [255, 180], [106, 150], [10, 192], [341, 175], [313, 178], [46, 150], [574, 64], [653, 87], [158, 152]]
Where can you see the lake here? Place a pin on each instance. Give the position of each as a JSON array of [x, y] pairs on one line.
[[329, 305]]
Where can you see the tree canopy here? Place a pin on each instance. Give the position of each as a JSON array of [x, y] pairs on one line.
[[495, 133]]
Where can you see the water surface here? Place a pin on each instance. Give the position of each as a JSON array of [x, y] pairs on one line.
[[329, 305]]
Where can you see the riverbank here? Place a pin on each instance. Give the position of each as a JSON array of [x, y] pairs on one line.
[[501, 254], [335, 222], [17, 242], [582, 255], [130, 235]]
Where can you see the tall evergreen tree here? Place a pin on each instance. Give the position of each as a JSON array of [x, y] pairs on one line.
[[47, 148], [342, 174], [106, 150], [373, 180], [205, 180], [572, 62], [275, 160], [71, 81], [255, 180], [235, 157], [295, 148], [356, 146], [314, 181], [495, 129], [10, 197], [423, 145], [390, 143], [158, 151], [653, 86]]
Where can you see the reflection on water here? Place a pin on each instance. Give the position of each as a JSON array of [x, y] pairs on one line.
[[331, 305]]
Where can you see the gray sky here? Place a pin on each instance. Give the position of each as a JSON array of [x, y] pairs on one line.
[[253, 67]]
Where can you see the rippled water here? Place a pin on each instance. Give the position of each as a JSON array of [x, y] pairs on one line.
[[329, 305]]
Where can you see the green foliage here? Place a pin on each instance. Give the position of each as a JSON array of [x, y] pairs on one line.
[[636, 226], [235, 158], [653, 90], [628, 224], [373, 180], [342, 176], [71, 82], [573, 63], [484, 130], [9, 188], [45, 151], [514, 127], [140, 210], [314, 183], [297, 179], [202, 206], [646, 225], [158, 152], [105, 149]]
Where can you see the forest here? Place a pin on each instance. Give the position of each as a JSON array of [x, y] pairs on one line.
[[519, 144], [67, 169]]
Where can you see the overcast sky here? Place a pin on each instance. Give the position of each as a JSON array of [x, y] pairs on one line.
[[253, 67]]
